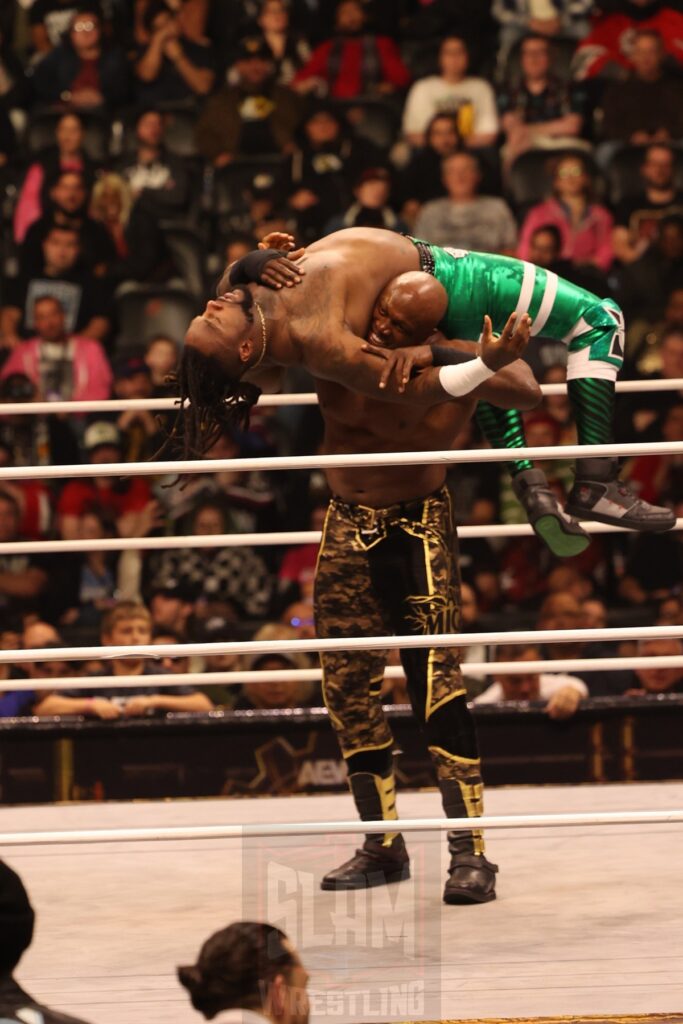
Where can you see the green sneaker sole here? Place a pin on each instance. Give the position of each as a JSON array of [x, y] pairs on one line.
[[564, 545]]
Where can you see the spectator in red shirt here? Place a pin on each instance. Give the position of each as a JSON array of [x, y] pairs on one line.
[[123, 498], [298, 565], [613, 36], [353, 62], [82, 72], [22, 578]]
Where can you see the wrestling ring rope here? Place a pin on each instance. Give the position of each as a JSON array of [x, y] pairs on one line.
[[295, 398]]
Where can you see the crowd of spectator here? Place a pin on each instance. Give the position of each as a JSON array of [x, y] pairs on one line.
[[144, 143]]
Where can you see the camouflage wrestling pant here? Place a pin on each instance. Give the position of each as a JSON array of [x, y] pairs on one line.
[[395, 570]]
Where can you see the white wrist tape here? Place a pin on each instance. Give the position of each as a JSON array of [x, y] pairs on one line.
[[465, 377]]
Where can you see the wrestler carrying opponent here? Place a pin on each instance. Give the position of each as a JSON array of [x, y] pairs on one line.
[[475, 284], [221, 346], [388, 560]]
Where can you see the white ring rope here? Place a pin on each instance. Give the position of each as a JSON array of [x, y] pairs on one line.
[[126, 469], [340, 828], [294, 398], [368, 643], [313, 675], [238, 540]]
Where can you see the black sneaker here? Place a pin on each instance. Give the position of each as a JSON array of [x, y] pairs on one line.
[[598, 494], [373, 865], [471, 879], [559, 533]]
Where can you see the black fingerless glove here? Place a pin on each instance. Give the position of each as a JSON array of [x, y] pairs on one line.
[[443, 356], [249, 268]]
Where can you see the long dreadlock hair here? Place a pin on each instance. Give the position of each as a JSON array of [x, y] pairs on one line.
[[209, 404]]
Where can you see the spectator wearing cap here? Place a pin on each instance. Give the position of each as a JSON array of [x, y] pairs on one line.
[[353, 63], [23, 579], [261, 206], [171, 67], [82, 72], [126, 499], [327, 156], [172, 665], [273, 693], [452, 91], [483, 223], [62, 365], [371, 207], [17, 921], [255, 116], [170, 606], [139, 427], [85, 301]]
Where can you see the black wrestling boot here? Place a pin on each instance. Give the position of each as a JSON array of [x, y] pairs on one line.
[[599, 494], [559, 533], [471, 877], [372, 865], [383, 857]]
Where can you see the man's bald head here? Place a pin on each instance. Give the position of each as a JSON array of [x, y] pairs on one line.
[[408, 310]]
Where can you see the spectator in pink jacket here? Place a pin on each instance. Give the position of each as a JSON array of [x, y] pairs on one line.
[[585, 226], [66, 155], [62, 366]]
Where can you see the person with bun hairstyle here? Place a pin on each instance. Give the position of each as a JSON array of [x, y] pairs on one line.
[[247, 973]]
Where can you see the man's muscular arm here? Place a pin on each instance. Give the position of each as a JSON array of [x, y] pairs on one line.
[[513, 387], [348, 360]]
